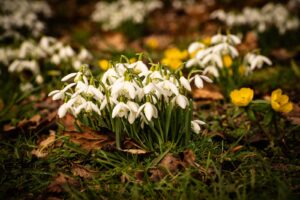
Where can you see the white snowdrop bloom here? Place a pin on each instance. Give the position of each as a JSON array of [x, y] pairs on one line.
[[215, 59], [225, 48], [202, 53], [192, 62], [211, 70], [56, 59], [84, 55], [133, 111], [185, 83], [120, 68], [120, 110], [76, 64], [198, 80], [26, 49], [60, 94], [87, 106], [139, 68], [181, 100], [257, 61], [39, 79], [26, 87], [14, 66], [195, 46], [149, 110], [63, 109], [195, 125], [123, 88], [88, 90], [46, 42], [229, 38], [168, 88], [110, 76]]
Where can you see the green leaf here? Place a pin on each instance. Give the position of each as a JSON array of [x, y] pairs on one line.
[[251, 115], [268, 118]]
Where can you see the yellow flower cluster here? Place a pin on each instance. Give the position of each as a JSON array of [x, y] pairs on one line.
[[280, 102], [242, 97], [173, 58]]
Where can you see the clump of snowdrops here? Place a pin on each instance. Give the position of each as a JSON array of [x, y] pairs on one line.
[[260, 19], [151, 106], [20, 19], [220, 58], [35, 57], [112, 15]]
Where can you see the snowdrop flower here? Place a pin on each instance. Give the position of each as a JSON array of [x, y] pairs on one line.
[[225, 48], [168, 89], [133, 111], [185, 83], [87, 106], [123, 88], [149, 110], [181, 100], [211, 70], [195, 125], [120, 110], [198, 80], [213, 58], [230, 39], [256, 61], [60, 94], [139, 68]]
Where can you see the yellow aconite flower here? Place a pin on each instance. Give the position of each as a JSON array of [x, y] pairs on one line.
[[172, 63], [280, 102], [241, 97], [173, 57], [175, 53], [103, 64], [207, 41], [152, 43], [227, 61]]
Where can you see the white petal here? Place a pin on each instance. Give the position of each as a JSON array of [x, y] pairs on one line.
[[185, 83], [62, 111], [148, 111], [198, 82], [67, 77]]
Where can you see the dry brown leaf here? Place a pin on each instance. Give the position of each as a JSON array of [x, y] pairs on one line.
[[283, 54], [171, 163], [294, 115], [249, 43], [8, 127], [135, 151], [156, 174], [40, 151], [90, 140], [81, 171], [60, 181], [189, 158], [110, 41], [208, 92]]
